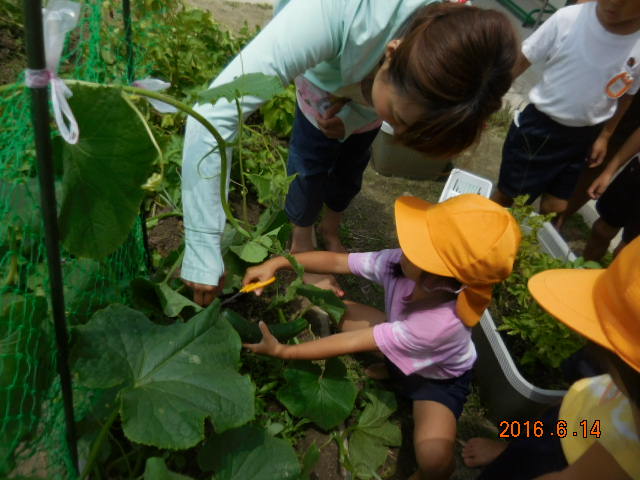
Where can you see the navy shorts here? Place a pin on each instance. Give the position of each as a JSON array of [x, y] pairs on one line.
[[619, 205], [329, 172], [542, 156], [452, 393]]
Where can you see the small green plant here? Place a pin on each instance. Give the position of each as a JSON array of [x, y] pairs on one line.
[[541, 338], [279, 112]]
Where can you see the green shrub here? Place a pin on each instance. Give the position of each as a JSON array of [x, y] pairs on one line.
[[541, 339]]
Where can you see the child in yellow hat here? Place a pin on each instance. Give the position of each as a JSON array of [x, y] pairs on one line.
[[596, 433], [436, 287]]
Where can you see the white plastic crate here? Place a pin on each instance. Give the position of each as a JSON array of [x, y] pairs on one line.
[[461, 181]]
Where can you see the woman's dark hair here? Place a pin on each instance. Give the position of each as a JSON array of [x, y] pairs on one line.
[[629, 376], [455, 63]]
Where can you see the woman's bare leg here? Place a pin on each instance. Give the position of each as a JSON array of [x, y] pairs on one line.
[[330, 231]]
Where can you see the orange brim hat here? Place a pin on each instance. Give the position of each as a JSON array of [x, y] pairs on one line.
[[602, 305], [468, 237]]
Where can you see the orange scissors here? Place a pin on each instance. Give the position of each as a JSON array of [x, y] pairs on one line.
[[249, 287]]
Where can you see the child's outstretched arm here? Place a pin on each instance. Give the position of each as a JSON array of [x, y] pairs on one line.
[[361, 340], [313, 262], [628, 150]]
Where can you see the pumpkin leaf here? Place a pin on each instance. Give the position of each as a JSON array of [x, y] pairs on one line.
[[373, 434], [249, 452], [104, 172], [323, 395], [171, 377]]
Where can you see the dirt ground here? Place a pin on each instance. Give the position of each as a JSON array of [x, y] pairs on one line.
[[233, 15]]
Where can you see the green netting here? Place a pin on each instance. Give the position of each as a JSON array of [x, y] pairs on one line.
[[32, 427]]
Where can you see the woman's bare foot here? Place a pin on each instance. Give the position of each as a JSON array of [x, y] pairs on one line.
[[324, 281], [479, 451], [377, 371]]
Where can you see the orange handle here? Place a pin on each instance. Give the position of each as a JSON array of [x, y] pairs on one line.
[[250, 287]]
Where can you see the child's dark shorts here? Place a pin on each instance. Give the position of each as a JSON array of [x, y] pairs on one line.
[[452, 393], [619, 206], [543, 156]]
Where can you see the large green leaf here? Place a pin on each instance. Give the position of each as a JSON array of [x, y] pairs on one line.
[[373, 434], [171, 377], [251, 84], [103, 172], [254, 251], [246, 453], [324, 396], [325, 299], [153, 295], [156, 469]]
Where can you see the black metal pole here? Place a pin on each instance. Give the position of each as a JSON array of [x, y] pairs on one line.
[[40, 118], [128, 36]]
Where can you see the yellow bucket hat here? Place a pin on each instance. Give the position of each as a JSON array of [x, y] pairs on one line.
[[467, 237], [602, 305]]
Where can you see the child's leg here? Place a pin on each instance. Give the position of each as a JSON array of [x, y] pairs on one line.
[[501, 198], [552, 204], [601, 235], [580, 195], [360, 316], [433, 438], [618, 207], [344, 183]]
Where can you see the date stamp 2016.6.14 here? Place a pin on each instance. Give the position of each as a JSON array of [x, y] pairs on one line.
[[560, 428]]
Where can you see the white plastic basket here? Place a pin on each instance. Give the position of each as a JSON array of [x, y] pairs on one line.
[[461, 181]]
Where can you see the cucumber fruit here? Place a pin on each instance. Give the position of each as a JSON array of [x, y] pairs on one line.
[[250, 332]]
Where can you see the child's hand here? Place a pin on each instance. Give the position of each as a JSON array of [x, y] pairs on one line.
[[269, 345], [598, 152], [259, 273], [599, 185]]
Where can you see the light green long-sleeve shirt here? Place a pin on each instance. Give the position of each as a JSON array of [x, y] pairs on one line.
[[334, 43]]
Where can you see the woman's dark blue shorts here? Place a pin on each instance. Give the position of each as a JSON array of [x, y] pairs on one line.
[[329, 172], [542, 156]]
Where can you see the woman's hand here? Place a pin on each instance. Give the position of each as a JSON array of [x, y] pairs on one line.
[[259, 273], [331, 125], [599, 185], [203, 294], [269, 345]]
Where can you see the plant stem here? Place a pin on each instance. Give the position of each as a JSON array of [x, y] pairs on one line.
[[174, 267], [245, 214], [97, 444]]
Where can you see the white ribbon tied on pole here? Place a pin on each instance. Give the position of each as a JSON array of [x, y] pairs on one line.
[[60, 17]]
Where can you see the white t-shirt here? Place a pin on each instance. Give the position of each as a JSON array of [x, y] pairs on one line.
[[579, 58]]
